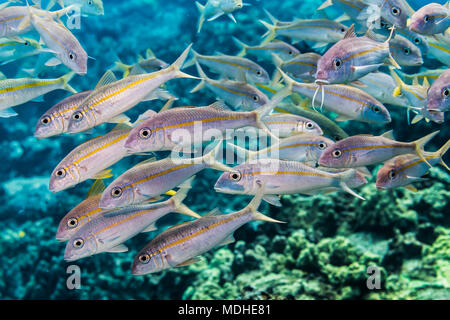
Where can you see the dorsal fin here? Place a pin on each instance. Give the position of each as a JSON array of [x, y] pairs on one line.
[[107, 78], [425, 83], [213, 213], [97, 188], [140, 58], [219, 105], [350, 33], [121, 126], [389, 134], [415, 81], [152, 159], [167, 105], [149, 54], [372, 35], [137, 70]]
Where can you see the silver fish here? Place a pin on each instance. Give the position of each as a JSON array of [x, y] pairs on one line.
[[286, 124]]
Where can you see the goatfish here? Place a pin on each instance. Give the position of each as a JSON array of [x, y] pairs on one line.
[[109, 231], [286, 125], [87, 7], [353, 57], [439, 48], [404, 52], [302, 67], [439, 93], [301, 147], [18, 48], [431, 19], [91, 159], [149, 179], [82, 213], [319, 31], [231, 67], [238, 95], [403, 170], [62, 42], [281, 177], [112, 97], [180, 245], [55, 121], [148, 64], [395, 12], [215, 9], [418, 40], [179, 127], [348, 102], [381, 86], [366, 150], [14, 92], [265, 50]]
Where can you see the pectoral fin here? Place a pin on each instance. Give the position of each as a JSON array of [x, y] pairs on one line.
[[104, 174], [119, 248], [188, 262]]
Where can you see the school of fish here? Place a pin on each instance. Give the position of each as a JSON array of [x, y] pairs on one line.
[[350, 73]]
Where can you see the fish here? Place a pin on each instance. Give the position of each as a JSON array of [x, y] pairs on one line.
[[348, 102], [111, 97], [88, 7], [366, 150], [352, 8], [18, 48], [55, 121], [265, 50], [395, 12], [302, 67], [431, 19], [91, 159], [180, 245], [419, 40], [381, 85], [320, 31], [353, 57], [231, 67], [301, 147], [285, 124], [430, 74], [403, 170], [57, 37], [148, 64], [181, 127], [281, 177], [238, 95], [109, 231], [438, 98], [153, 178], [439, 49], [14, 92], [82, 213], [215, 9], [404, 52]]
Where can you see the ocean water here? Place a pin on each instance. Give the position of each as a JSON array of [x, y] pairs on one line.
[[322, 252]]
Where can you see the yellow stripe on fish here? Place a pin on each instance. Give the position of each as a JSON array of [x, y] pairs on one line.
[[362, 53], [28, 85]]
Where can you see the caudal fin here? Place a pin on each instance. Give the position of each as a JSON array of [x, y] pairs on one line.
[[65, 80], [420, 144], [201, 20], [271, 32], [344, 179], [203, 76], [254, 205], [242, 45], [178, 64], [441, 153], [178, 198], [210, 159]]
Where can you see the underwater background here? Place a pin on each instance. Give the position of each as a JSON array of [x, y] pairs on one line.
[[321, 253]]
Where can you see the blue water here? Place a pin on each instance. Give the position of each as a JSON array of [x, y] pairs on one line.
[[32, 264]]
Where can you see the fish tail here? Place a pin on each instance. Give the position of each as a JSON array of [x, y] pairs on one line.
[[274, 20], [344, 178], [122, 67], [287, 80], [210, 159], [191, 61], [441, 153], [420, 144], [242, 45], [201, 20], [203, 76], [270, 34], [178, 198], [326, 4], [58, 14], [400, 84], [178, 64], [65, 80], [276, 75], [254, 205]]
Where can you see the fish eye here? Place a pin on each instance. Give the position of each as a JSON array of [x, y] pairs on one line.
[[322, 145], [337, 62], [376, 109], [78, 243], [72, 222], [26, 43], [258, 73], [290, 52], [89, 2], [445, 92], [61, 173], [145, 133], [236, 176], [342, 30], [255, 98], [392, 174], [337, 153], [309, 125], [144, 258], [77, 116], [395, 11], [426, 18], [72, 56], [417, 40], [116, 192], [407, 51], [46, 120]]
